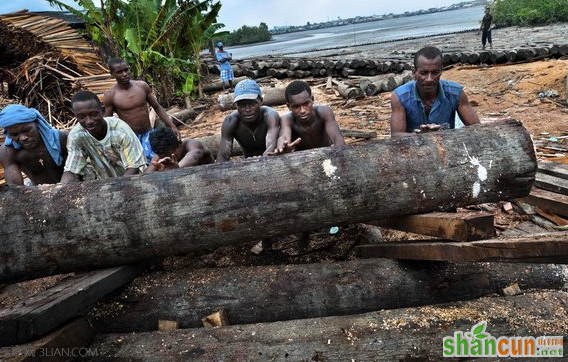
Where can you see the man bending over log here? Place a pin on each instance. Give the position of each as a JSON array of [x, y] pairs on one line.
[[100, 147], [129, 99], [253, 125], [171, 153], [32, 145], [428, 104], [307, 125]]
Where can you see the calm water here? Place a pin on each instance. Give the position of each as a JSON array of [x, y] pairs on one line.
[[377, 31]]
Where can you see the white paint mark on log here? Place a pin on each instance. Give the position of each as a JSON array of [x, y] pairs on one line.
[[405, 185], [476, 189], [329, 169]]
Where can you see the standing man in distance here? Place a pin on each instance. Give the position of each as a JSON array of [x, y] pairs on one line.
[[428, 104], [100, 147], [224, 58], [485, 28], [32, 145], [129, 99], [253, 125]]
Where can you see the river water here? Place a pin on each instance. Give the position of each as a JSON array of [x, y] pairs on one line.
[[357, 34]]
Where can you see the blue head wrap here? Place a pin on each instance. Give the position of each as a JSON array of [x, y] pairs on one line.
[[17, 114]]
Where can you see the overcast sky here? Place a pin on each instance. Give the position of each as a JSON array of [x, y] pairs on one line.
[[236, 13]]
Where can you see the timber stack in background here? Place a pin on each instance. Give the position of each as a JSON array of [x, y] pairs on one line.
[[298, 68]]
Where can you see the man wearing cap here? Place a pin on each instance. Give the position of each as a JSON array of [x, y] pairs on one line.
[[32, 145], [253, 125], [224, 60]]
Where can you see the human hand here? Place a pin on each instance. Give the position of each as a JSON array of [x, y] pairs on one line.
[[176, 132], [167, 163], [285, 147], [425, 128]]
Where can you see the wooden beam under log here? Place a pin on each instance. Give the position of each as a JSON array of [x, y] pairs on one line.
[[60, 228], [284, 292], [445, 225], [407, 334], [537, 248]]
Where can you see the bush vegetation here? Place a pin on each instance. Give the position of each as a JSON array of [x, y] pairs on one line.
[[529, 12], [249, 34]]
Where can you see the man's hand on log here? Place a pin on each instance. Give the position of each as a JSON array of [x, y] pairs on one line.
[[285, 147], [425, 128], [166, 163]]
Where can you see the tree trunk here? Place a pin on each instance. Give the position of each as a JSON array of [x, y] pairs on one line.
[[217, 86], [276, 293], [270, 97], [61, 228], [409, 334]]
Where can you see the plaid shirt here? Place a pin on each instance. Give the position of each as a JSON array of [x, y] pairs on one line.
[[110, 157]]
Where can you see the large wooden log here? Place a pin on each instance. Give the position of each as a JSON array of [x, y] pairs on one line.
[[270, 97], [275, 293], [217, 86], [408, 334], [59, 228]]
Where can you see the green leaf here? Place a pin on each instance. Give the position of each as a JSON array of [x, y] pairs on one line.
[[188, 86], [478, 329], [481, 336]]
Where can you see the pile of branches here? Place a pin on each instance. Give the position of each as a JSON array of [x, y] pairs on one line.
[[45, 82]]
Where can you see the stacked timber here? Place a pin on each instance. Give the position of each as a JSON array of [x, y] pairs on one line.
[[59, 62], [298, 68]]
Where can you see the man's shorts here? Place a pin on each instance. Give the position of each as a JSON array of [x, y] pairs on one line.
[[145, 142], [227, 75]]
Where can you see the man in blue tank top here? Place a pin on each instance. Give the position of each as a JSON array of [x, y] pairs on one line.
[[428, 104]]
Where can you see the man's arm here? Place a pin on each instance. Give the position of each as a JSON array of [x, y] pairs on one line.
[[131, 171], [272, 119], [466, 111], [160, 111], [398, 118], [12, 172], [331, 126], [285, 134], [108, 103], [227, 136], [153, 165], [194, 155], [69, 178]]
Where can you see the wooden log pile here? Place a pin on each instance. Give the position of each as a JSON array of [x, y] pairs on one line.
[[298, 68], [56, 63]]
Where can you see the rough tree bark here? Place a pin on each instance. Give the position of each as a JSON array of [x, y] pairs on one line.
[[408, 334], [275, 293], [59, 228]]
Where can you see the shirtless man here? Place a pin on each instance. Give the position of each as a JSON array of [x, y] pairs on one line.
[[307, 125], [253, 125], [172, 153], [129, 99], [32, 145]]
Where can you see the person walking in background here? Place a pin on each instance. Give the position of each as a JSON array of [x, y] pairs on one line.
[[485, 28], [224, 60]]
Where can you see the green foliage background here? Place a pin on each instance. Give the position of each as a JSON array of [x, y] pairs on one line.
[[529, 12], [249, 34]]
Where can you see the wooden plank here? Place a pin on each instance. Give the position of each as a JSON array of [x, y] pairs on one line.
[[538, 248], [61, 345], [47, 310], [445, 225], [560, 221], [551, 183], [553, 168], [407, 334], [548, 201]]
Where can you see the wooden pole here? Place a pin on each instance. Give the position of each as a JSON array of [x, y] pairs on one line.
[[60, 228], [270, 97], [284, 292], [408, 334]]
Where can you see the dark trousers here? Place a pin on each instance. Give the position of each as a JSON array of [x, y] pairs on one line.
[[486, 37]]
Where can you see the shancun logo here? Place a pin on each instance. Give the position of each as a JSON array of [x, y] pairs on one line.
[[479, 343]]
